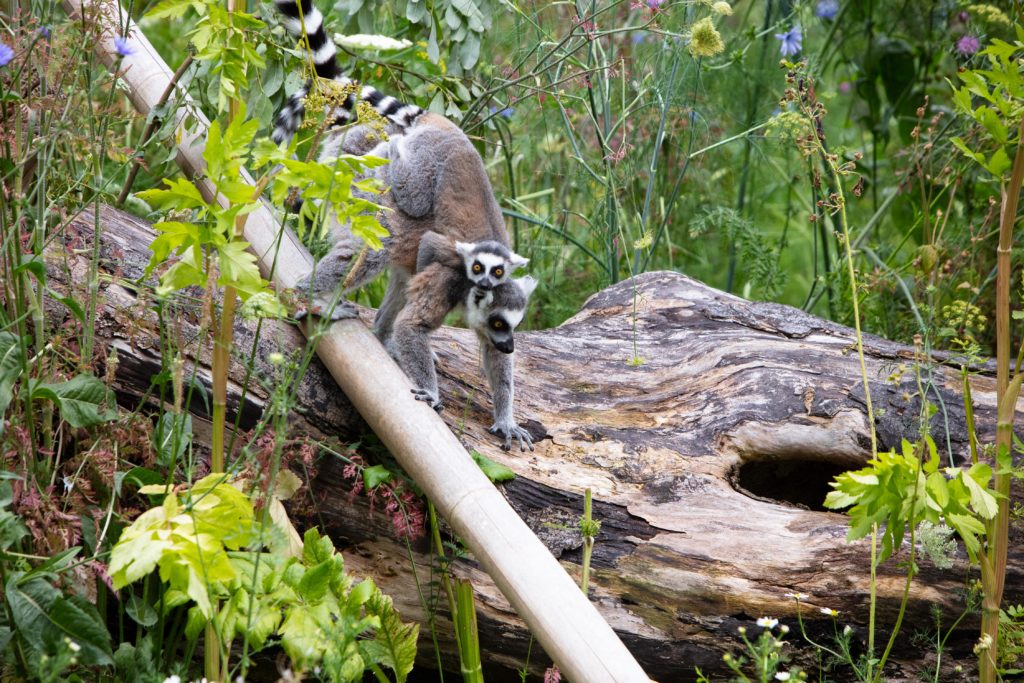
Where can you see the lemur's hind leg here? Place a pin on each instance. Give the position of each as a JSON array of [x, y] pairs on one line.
[[430, 295], [393, 303]]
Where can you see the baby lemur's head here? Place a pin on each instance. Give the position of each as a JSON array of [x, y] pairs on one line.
[[489, 263], [495, 313]]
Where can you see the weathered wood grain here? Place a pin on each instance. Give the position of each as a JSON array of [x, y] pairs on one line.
[[708, 461]]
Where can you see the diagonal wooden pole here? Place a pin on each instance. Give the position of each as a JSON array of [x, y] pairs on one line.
[[568, 626]]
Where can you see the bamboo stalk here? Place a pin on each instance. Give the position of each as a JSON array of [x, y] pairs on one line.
[[569, 627]]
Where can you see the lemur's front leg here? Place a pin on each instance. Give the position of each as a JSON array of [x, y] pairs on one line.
[[429, 298], [499, 368]]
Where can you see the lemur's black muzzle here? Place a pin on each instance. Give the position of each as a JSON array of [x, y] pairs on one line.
[[505, 345]]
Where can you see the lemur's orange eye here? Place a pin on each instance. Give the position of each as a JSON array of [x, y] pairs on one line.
[[498, 272], [477, 267], [498, 324]]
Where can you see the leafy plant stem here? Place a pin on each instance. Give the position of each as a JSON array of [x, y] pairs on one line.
[[998, 528]]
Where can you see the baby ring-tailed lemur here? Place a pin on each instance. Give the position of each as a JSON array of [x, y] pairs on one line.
[[437, 184]]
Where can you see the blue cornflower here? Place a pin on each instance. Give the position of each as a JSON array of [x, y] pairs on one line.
[[827, 9], [6, 54], [791, 41], [122, 47], [506, 112]]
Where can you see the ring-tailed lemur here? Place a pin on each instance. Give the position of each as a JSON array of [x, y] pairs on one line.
[[438, 184]]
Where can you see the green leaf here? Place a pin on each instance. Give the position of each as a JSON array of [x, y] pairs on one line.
[[136, 554], [982, 500], [315, 548], [75, 618], [315, 582], [998, 163], [82, 400], [171, 438], [394, 643], [180, 194], [11, 365], [34, 266], [238, 268], [375, 476], [140, 611], [29, 602], [496, 472]]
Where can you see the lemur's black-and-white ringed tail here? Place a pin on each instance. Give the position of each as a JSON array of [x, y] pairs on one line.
[[323, 53], [447, 247]]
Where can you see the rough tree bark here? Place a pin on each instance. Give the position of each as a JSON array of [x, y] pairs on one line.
[[708, 461]]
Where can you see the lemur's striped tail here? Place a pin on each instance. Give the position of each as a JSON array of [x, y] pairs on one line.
[[323, 53]]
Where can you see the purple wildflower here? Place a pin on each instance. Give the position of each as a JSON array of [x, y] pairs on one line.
[[968, 45], [827, 9], [122, 47], [655, 4], [637, 37], [791, 41], [507, 112], [44, 32], [6, 54]]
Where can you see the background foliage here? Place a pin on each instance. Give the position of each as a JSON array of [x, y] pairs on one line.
[[622, 136]]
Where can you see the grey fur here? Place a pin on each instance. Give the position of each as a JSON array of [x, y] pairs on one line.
[[422, 190]]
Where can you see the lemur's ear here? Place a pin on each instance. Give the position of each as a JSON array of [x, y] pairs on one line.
[[464, 248], [526, 284], [517, 261]]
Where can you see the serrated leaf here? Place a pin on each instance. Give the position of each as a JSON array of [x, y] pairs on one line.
[[179, 194], [316, 581], [982, 500], [394, 643], [496, 472]]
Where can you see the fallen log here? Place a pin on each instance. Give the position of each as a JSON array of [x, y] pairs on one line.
[[708, 462]]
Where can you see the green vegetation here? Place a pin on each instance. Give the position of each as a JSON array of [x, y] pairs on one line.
[[861, 161]]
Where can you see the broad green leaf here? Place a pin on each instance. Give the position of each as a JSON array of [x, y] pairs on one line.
[[75, 618], [375, 476], [315, 582], [496, 472], [29, 602], [179, 194], [999, 163], [82, 400], [982, 500], [136, 556]]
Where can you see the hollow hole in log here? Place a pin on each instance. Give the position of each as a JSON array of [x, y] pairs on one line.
[[799, 482]]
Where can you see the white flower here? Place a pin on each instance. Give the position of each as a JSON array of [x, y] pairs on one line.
[[797, 596], [173, 679], [767, 622], [782, 675], [362, 41], [829, 612], [847, 630], [73, 646], [783, 629]]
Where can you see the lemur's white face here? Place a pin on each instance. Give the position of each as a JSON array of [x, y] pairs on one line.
[[486, 270], [496, 314], [488, 264]]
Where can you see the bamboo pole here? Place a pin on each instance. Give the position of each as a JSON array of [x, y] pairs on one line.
[[568, 626]]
